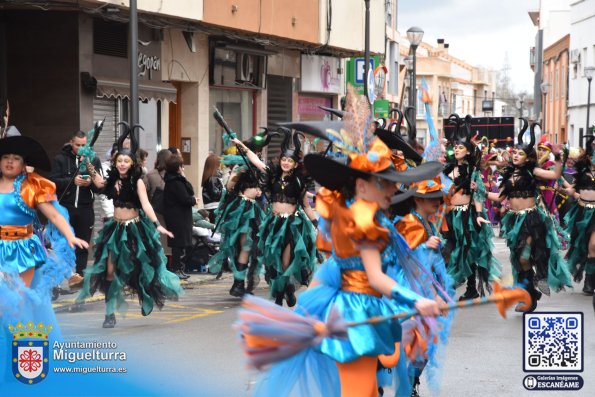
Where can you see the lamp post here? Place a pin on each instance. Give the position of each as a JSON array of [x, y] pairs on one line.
[[589, 75], [367, 47], [545, 87], [414, 35], [520, 101], [408, 60], [133, 55]]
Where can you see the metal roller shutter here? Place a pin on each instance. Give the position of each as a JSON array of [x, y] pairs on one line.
[[279, 108], [108, 108]]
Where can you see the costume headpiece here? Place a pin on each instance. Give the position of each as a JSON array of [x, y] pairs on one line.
[[529, 148], [32, 152], [286, 149], [589, 140], [392, 137], [545, 144], [461, 133], [128, 132], [429, 188], [368, 155], [259, 141]]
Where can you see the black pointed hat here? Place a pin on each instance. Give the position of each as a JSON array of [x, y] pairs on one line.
[[32, 152]]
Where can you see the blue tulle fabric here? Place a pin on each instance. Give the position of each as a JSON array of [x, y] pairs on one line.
[[313, 371], [19, 303], [423, 271]]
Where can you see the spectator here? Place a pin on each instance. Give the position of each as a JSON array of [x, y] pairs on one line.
[[142, 155], [178, 202], [212, 187], [77, 195], [155, 180]]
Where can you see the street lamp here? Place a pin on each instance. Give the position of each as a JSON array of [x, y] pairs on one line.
[[589, 75], [414, 35], [545, 87], [520, 101], [408, 60]]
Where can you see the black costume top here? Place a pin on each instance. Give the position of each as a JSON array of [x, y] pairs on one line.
[[519, 182], [462, 181], [584, 178], [290, 189], [126, 197]]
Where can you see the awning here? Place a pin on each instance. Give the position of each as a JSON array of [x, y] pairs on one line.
[[120, 88]]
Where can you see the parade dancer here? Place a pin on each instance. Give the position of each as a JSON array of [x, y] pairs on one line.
[[468, 248], [363, 244], [423, 237], [547, 188], [28, 272], [529, 231], [580, 220], [286, 238], [238, 220], [127, 251]]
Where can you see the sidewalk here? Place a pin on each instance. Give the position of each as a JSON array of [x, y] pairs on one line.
[[66, 300]]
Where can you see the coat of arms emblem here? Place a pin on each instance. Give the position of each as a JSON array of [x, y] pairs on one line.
[[30, 351]]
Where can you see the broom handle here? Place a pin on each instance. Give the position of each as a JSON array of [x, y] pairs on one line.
[[443, 307]]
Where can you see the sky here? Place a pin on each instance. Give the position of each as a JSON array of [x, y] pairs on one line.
[[480, 32]]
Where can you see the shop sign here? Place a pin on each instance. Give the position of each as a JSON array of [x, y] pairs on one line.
[[148, 63], [320, 74], [381, 108], [355, 71]]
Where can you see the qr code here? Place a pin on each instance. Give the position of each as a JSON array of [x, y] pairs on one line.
[[553, 342]]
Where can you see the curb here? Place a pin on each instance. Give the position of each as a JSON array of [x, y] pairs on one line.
[[70, 304]]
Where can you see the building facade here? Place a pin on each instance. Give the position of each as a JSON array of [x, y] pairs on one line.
[[555, 73], [454, 86], [259, 63], [582, 59], [552, 20]]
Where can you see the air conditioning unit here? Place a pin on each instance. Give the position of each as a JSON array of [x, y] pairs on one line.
[[245, 68], [575, 56]]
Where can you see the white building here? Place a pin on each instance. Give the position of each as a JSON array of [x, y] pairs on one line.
[[582, 55]]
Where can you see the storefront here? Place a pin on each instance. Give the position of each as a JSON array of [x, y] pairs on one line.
[[320, 87], [108, 84], [237, 75]]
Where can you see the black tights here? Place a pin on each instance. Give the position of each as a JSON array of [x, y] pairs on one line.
[[176, 254]]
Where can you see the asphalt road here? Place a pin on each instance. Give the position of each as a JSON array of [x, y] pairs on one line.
[[190, 348]]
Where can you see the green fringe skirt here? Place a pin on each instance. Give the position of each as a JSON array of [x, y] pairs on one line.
[[580, 224], [240, 216], [134, 248], [468, 248], [276, 232], [545, 257]]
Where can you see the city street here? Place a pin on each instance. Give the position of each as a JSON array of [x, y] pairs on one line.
[[484, 356]]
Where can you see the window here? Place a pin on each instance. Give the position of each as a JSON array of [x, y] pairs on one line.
[[556, 83], [421, 109], [110, 38], [237, 106]]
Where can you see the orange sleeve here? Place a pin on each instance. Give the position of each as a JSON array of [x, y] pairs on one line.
[[363, 227], [325, 199], [412, 230], [36, 189]]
